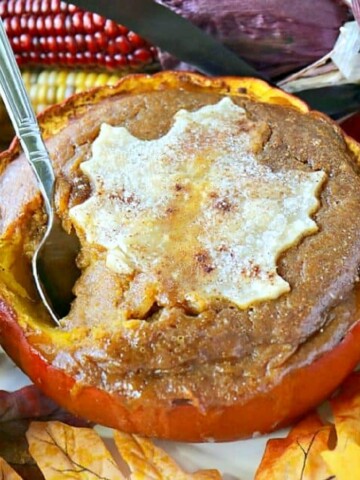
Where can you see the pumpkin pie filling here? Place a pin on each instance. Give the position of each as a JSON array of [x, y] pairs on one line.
[[157, 314]]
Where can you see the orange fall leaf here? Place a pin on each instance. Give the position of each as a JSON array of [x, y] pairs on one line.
[[313, 450], [344, 460], [298, 455]]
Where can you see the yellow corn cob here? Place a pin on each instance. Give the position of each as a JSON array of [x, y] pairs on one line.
[[46, 87]]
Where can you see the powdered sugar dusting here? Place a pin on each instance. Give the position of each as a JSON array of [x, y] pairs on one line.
[[193, 210]]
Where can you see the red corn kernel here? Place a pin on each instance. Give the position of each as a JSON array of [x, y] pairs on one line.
[[10, 7], [132, 62], [51, 43], [36, 6], [43, 43], [100, 58], [25, 41], [24, 23], [122, 30], [111, 28], [111, 49], [15, 43], [88, 57], [59, 24], [120, 60], [142, 55], [90, 43], [7, 25], [56, 6], [19, 7], [68, 26], [15, 26], [31, 25], [101, 40], [88, 23], [71, 59], [70, 44], [36, 47], [123, 45], [69, 8], [80, 42], [45, 6], [60, 43], [48, 24], [34, 56], [77, 20], [51, 58], [79, 58], [135, 40], [98, 21], [110, 61], [29, 6], [40, 25], [154, 52]]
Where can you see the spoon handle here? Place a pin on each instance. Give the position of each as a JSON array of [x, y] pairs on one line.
[[24, 121]]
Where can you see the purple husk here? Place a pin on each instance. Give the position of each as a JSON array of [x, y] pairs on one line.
[[275, 36]]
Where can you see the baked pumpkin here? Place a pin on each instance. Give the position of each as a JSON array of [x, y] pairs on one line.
[[220, 230]]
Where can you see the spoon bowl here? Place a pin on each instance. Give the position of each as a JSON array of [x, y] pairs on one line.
[[54, 261]]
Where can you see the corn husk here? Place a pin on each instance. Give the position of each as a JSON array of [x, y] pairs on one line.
[[276, 37], [340, 66]]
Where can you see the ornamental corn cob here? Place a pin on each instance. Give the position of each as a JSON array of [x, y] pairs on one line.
[[51, 32], [46, 87], [275, 36]]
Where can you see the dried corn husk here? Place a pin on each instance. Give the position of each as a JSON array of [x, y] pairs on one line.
[[275, 36], [341, 65]]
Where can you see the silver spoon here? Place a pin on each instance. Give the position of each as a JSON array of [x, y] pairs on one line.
[[53, 264]]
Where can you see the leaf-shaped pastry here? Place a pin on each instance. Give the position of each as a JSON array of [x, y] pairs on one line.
[[297, 457], [149, 462], [228, 203], [65, 452]]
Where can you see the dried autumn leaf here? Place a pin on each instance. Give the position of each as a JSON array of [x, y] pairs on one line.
[[6, 472], [346, 410], [30, 403], [149, 462], [27, 402], [298, 455], [344, 460], [17, 410], [344, 463], [14, 449], [62, 451]]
